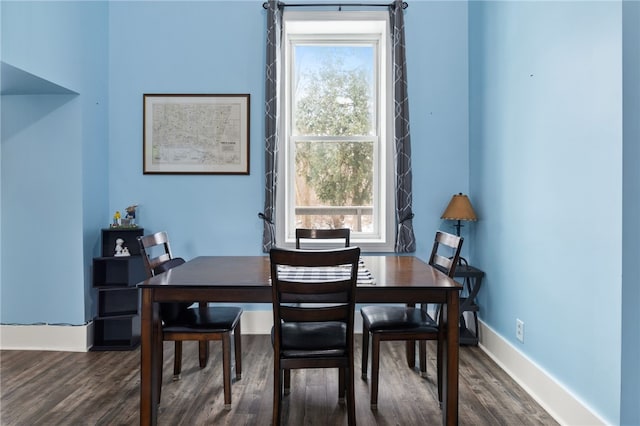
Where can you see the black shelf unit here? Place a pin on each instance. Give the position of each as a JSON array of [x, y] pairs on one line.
[[117, 323]]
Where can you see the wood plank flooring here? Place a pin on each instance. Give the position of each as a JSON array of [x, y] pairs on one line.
[[102, 388]]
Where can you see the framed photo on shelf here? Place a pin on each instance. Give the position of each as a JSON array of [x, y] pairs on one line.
[[196, 134]]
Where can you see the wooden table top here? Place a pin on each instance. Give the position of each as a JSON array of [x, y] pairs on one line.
[[247, 279]]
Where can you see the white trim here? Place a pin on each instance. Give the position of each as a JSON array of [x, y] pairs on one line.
[[565, 407], [77, 338], [257, 322], [343, 26], [80, 338]]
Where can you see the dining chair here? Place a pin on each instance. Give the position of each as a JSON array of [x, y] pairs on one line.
[[409, 323], [313, 296], [303, 234], [323, 234], [181, 322]]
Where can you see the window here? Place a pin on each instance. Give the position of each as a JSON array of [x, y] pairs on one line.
[[336, 157]]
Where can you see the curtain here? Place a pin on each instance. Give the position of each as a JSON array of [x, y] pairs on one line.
[[405, 239], [274, 34]]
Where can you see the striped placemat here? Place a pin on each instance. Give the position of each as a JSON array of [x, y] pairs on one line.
[[290, 273]]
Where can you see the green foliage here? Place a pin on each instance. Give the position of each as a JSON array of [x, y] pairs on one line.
[[340, 173], [334, 100]]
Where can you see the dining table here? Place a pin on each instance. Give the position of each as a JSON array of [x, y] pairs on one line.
[[246, 279]]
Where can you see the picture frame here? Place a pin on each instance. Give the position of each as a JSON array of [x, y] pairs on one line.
[[196, 134]]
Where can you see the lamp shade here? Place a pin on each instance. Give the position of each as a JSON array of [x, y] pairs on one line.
[[459, 208]]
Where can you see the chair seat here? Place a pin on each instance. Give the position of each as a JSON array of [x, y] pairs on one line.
[[393, 318], [313, 339], [213, 319]]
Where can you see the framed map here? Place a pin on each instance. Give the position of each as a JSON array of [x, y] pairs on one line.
[[195, 134]]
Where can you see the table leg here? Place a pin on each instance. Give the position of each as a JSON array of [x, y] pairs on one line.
[[148, 359], [450, 359]]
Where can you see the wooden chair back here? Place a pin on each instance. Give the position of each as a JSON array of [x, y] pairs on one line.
[[305, 298], [450, 243], [157, 258], [323, 234], [155, 251]]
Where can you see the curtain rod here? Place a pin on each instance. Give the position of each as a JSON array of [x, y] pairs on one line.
[[265, 5]]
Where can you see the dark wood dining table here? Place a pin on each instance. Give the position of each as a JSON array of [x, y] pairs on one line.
[[246, 279]]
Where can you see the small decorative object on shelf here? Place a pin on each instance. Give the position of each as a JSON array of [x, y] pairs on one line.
[[120, 249], [129, 220]]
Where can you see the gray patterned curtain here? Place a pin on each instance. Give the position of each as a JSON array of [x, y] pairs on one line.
[[274, 34], [405, 239]]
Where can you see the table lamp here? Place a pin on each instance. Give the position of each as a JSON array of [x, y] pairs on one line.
[[459, 209]]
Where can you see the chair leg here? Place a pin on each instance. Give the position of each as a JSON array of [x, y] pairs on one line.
[[287, 381], [203, 353], [177, 360], [422, 345], [411, 346], [341, 385], [160, 352], [226, 369], [475, 324], [375, 370], [277, 391], [411, 353], [237, 344], [365, 351], [439, 367], [351, 395]]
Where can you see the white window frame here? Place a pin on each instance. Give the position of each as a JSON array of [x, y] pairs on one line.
[[347, 26]]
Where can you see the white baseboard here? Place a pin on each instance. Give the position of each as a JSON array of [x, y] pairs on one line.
[[80, 338], [257, 322], [76, 338], [560, 403]]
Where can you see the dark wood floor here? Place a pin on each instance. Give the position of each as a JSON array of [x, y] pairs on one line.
[[102, 388]]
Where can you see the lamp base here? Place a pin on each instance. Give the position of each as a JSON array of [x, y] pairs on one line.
[[458, 226]]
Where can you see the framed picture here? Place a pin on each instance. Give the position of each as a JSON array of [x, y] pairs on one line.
[[196, 134]]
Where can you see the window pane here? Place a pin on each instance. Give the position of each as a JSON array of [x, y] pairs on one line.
[[333, 90], [334, 184], [336, 150]]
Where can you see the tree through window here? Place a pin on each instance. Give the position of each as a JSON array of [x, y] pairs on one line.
[[336, 151], [333, 129]]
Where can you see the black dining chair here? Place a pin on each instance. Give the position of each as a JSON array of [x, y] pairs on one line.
[[322, 234], [202, 323], [313, 317], [409, 323]]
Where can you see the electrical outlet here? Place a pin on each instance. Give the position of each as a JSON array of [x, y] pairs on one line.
[[520, 330]]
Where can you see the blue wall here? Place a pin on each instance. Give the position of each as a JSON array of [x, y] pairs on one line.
[[54, 169], [546, 165], [518, 104], [218, 47], [630, 391], [111, 54], [167, 47]]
